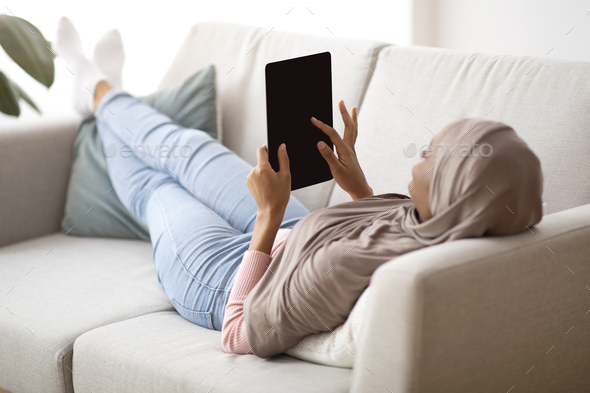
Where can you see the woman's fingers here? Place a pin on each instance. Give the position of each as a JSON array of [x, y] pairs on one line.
[[328, 155], [271, 190], [332, 133], [345, 115], [262, 156], [356, 124], [349, 125], [284, 167]]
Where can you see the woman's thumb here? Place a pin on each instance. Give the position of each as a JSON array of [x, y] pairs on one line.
[[327, 153], [283, 158]]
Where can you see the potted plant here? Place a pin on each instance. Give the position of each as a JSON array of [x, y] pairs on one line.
[[25, 44]]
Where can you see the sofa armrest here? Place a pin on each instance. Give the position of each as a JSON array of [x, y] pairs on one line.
[[483, 315], [35, 160]]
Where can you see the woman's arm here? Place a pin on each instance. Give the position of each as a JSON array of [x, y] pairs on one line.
[[233, 332], [265, 229], [271, 191], [253, 267]]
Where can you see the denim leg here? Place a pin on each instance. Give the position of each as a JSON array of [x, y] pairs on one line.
[[207, 169], [196, 252]]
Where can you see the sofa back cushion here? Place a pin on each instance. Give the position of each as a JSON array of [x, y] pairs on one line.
[[240, 53], [418, 90]]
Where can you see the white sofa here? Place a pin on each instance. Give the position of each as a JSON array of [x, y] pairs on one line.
[[478, 315]]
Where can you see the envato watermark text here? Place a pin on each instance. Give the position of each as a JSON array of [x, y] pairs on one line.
[[463, 150], [141, 150]]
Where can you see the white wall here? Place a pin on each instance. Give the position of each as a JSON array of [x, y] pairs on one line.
[[153, 32], [545, 28]]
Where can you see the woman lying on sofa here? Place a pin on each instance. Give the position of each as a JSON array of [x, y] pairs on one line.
[[235, 252]]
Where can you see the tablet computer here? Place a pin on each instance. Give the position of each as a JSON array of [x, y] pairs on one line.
[[296, 90]]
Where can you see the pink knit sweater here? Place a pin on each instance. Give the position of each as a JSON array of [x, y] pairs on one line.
[[253, 266]]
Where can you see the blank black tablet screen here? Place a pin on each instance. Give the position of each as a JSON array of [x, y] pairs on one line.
[[296, 90]]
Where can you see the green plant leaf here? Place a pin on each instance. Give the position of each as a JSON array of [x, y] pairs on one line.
[[21, 93], [8, 97], [53, 55], [25, 44]]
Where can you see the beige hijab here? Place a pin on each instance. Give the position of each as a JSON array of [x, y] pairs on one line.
[[328, 259], [486, 181]]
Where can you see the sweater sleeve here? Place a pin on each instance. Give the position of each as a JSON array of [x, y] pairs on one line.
[[251, 270]]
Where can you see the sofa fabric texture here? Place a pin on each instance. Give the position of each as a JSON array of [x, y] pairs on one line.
[[35, 162], [163, 352], [416, 91], [57, 287], [476, 315]]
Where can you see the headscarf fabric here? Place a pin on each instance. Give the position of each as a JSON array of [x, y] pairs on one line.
[[485, 181]]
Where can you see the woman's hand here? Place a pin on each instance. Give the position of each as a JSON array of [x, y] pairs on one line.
[[271, 190], [345, 168]]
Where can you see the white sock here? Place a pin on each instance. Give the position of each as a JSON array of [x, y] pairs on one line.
[[109, 56], [68, 45]]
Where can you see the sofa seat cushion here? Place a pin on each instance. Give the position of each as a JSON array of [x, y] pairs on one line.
[[55, 288], [163, 352], [416, 91]]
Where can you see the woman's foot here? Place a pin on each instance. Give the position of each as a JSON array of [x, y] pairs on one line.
[[68, 45], [109, 56]]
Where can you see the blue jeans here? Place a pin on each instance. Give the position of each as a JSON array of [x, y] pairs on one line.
[[192, 196]]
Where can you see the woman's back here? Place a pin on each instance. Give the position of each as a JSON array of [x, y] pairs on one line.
[[323, 267]]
